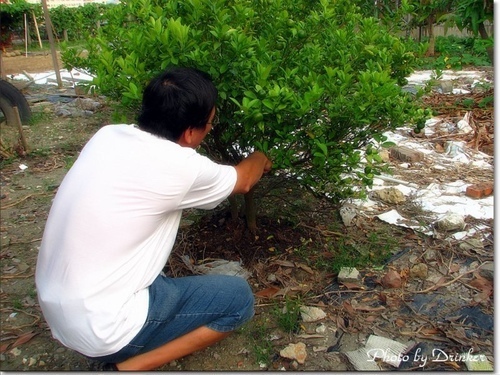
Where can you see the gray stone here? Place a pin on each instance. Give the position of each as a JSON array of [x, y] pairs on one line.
[[348, 274], [450, 222], [311, 314], [470, 244], [446, 87], [487, 270], [62, 112]]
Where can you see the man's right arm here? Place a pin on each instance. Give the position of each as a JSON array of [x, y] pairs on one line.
[[250, 171]]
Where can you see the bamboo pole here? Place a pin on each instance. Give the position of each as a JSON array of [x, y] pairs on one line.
[[37, 30], [25, 35], [48, 25]]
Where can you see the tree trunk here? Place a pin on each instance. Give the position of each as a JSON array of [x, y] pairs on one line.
[[484, 35], [251, 211], [233, 202], [432, 41]]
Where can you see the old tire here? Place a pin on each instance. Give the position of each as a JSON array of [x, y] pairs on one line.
[[11, 97]]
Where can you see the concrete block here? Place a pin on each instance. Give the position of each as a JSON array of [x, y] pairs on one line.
[[406, 154]]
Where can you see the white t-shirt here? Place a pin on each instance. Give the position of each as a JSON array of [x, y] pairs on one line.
[[110, 231]]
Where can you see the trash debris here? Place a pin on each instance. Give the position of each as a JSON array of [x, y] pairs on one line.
[[348, 213], [477, 362], [377, 348], [362, 361], [395, 218], [218, 267], [463, 124], [389, 351]]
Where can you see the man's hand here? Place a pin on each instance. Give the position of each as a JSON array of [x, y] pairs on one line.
[[250, 171]]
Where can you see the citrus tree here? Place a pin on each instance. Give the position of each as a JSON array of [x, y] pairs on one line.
[[310, 83]]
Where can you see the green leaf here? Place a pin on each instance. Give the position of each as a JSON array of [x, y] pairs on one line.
[[388, 144]]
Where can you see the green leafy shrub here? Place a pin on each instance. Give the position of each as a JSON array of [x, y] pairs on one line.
[[309, 83], [79, 22]]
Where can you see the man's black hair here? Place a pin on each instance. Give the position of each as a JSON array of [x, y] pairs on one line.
[[175, 100]]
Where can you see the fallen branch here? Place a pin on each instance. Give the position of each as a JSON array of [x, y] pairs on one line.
[[323, 231], [20, 200], [23, 242], [16, 276], [37, 319]]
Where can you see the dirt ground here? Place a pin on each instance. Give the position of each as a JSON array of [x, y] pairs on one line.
[[449, 310], [32, 63]]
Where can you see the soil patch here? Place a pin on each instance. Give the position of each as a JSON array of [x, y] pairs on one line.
[[38, 62]]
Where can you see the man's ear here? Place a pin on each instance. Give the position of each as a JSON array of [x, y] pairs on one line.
[[186, 138]]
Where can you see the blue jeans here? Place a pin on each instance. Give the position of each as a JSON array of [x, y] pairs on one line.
[[180, 305]]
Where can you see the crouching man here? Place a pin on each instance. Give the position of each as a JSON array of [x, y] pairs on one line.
[[113, 224]]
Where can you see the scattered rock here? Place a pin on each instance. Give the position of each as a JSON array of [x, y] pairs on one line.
[[390, 195], [487, 270], [271, 278], [419, 271], [311, 314], [87, 104], [450, 222], [62, 112], [430, 254], [321, 328], [295, 351], [348, 274], [446, 87], [384, 154], [15, 352], [470, 244]]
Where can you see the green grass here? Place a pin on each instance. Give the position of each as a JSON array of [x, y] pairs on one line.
[[288, 316]]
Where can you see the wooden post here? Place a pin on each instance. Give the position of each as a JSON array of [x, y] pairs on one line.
[[20, 129], [25, 35], [48, 25], [2, 70], [37, 30]]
